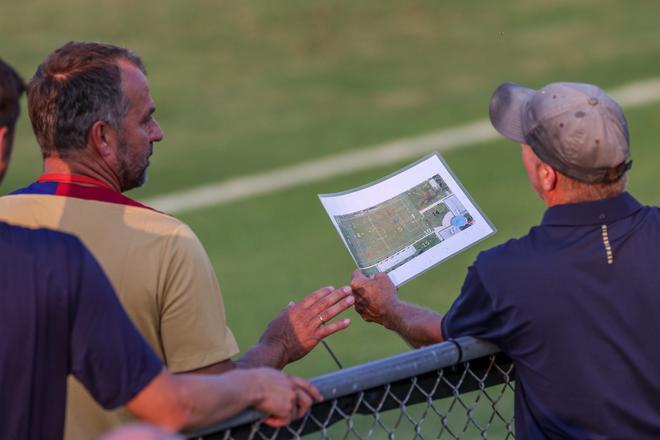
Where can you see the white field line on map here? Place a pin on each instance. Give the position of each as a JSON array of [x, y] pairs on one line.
[[237, 188]]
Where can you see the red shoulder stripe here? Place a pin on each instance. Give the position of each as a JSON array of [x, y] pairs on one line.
[[96, 193]]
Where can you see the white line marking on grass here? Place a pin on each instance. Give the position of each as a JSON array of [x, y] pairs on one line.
[[630, 95]]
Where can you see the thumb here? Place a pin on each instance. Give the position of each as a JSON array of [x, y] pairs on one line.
[[358, 275]]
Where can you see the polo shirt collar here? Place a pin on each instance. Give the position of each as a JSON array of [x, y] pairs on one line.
[[592, 213]]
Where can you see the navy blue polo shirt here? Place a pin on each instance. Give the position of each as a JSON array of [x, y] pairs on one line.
[[60, 316], [576, 305]]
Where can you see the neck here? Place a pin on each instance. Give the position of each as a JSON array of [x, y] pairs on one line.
[[571, 191], [557, 198], [564, 197], [57, 165]]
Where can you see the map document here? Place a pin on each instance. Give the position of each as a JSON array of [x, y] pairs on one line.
[[407, 222]]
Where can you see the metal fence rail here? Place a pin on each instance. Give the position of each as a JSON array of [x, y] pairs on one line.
[[457, 389]]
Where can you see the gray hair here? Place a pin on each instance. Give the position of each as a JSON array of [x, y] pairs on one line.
[[77, 85]]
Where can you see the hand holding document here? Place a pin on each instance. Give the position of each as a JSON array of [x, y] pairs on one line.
[[408, 222]]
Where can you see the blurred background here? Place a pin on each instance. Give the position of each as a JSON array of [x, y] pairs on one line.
[[246, 87]]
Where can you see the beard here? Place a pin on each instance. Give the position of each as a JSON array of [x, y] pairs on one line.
[[132, 172]]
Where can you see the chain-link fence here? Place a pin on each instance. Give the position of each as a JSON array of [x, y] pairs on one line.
[[457, 389]]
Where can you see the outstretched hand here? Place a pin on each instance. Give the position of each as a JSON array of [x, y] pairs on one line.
[[299, 327], [375, 297]]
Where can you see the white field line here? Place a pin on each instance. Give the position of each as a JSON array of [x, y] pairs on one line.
[[630, 95]]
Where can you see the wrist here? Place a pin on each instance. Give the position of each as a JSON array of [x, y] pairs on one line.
[[250, 383], [275, 352], [254, 383], [392, 314]]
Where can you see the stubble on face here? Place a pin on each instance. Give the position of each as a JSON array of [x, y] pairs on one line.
[[132, 173], [138, 131]]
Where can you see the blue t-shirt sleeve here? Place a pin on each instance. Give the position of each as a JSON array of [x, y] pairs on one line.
[[473, 313], [108, 355]]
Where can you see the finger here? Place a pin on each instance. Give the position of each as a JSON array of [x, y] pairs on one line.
[[331, 328], [315, 296], [357, 274], [329, 300], [358, 292], [358, 279], [358, 283], [277, 421], [335, 310], [303, 404], [307, 387]]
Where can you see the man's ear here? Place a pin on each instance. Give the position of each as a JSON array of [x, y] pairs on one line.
[[102, 138], [547, 177]]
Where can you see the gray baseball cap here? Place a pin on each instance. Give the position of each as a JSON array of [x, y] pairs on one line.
[[577, 129]]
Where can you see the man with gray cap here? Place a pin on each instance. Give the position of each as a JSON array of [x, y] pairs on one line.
[[575, 302]]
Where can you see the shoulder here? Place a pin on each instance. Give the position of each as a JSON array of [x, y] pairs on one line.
[[515, 252], [652, 211], [150, 220], [512, 249], [38, 240], [173, 231], [648, 225], [54, 260], [177, 237]]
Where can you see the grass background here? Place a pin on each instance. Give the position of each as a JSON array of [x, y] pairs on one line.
[[248, 86]]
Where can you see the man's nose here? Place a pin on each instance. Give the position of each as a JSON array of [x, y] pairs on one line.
[[157, 133]]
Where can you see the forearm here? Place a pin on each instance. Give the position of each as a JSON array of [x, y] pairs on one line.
[[210, 399], [188, 401], [418, 326], [263, 354], [218, 368]]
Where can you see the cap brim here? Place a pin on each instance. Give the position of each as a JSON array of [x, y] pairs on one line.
[[506, 110]]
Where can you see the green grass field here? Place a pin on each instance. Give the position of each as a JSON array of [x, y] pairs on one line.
[[249, 86], [387, 228]]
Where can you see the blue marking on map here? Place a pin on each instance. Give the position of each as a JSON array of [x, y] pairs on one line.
[[459, 221]]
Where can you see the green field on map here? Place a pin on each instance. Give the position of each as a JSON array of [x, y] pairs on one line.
[[378, 232], [407, 225]]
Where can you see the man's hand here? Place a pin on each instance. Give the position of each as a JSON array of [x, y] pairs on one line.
[[375, 298], [187, 401], [298, 328], [283, 397]]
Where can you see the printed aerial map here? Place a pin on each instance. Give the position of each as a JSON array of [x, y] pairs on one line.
[[383, 237]]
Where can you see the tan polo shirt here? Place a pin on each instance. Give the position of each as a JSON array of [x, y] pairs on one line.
[[160, 271]]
